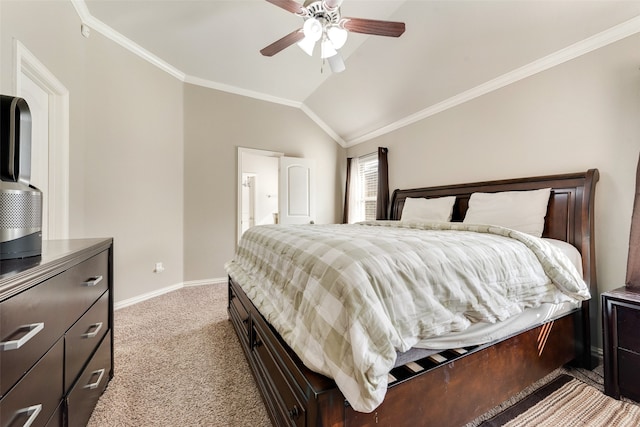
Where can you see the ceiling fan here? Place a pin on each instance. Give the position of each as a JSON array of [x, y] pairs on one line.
[[324, 23]]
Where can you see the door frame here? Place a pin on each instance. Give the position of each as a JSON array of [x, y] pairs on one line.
[[58, 209]]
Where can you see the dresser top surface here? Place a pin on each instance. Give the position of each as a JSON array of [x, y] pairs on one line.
[[624, 293], [57, 256]]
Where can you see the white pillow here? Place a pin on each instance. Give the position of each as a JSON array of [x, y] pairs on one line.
[[438, 209], [519, 210]]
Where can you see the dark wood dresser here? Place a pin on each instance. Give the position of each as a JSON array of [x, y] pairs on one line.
[[621, 321], [56, 322]]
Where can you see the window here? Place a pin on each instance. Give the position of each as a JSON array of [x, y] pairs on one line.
[[368, 171], [364, 188]]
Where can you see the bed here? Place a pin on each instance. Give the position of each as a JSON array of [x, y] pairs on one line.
[[450, 386]]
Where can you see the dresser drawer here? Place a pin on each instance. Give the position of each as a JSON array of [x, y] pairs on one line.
[[38, 394], [56, 419], [90, 385], [629, 375], [30, 323], [628, 321], [83, 338], [85, 283]]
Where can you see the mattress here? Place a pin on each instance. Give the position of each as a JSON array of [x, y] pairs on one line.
[[483, 333], [346, 298]]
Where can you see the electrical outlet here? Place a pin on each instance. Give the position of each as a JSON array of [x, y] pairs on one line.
[[159, 268]]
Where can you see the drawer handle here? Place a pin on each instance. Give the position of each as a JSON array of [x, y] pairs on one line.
[[32, 412], [34, 328], [92, 281], [96, 328], [294, 412], [99, 373]]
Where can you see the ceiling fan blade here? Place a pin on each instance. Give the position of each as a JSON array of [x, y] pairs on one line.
[[373, 26], [290, 5], [283, 43]]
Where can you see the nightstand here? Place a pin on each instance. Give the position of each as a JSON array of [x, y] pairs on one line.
[[621, 322]]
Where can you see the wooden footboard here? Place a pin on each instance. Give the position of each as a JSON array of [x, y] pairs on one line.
[[455, 393], [445, 394]]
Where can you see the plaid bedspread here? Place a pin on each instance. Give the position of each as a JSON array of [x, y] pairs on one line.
[[347, 297]]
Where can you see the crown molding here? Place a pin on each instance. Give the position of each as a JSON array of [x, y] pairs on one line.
[[240, 91], [110, 33], [325, 127], [573, 51]]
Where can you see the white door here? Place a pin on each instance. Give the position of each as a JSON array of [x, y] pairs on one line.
[[296, 195]]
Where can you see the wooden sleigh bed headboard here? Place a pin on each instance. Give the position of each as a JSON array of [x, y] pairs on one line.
[[570, 215]]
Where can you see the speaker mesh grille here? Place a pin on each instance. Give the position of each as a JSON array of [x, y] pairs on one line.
[[20, 210]]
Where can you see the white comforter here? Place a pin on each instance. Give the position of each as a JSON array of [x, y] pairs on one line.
[[347, 297]]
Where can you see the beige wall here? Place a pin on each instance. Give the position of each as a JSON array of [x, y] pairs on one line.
[[126, 168], [133, 167], [216, 124], [579, 115]]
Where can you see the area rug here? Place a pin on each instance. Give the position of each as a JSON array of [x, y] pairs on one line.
[[567, 401]]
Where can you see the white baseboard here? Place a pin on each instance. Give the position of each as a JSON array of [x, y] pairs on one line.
[[216, 281], [135, 300]]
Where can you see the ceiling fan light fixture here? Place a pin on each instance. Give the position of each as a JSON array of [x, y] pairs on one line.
[[337, 35], [336, 63], [307, 45], [312, 29], [327, 49]]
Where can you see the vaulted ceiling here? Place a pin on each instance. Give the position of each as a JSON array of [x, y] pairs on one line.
[[452, 51]]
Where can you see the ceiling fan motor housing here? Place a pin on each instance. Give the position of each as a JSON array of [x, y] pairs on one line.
[[317, 10]]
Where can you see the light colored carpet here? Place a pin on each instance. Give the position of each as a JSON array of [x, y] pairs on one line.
[[178, 362]]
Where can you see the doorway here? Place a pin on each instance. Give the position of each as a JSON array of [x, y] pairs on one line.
[[257, 188], [281, 190]]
